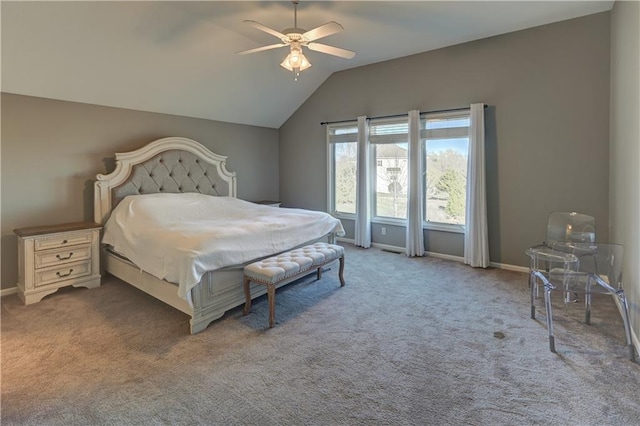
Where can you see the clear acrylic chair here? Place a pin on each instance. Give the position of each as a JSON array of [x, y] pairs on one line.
[[570, 226], [586, 268], [567, 226]]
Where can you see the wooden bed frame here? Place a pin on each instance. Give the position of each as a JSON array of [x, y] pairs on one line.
[[173, 165]]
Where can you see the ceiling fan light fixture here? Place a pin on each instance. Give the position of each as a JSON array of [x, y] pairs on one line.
[[296, 62], [295, 57]]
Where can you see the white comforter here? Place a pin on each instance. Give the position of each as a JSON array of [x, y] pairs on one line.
[[180, 237]]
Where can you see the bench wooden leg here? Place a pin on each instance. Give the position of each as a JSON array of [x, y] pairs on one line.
[[247, 297], [271, 294], [271, 286]]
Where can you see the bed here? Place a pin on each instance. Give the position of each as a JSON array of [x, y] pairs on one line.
[[182, 169]]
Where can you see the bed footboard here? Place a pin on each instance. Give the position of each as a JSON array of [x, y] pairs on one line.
[[216, 293]]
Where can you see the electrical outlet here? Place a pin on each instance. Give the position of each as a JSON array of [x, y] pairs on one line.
[[383, 230]]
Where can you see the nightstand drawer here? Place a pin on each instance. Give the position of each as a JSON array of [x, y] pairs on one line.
[[55, 257], [62, 273], [63, 240]]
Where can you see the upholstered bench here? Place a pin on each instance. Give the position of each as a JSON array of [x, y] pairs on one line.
[[287, 267]]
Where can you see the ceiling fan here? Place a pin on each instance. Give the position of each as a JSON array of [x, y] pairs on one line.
[[296, 38]]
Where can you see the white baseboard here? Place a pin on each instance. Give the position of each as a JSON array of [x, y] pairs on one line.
[[8, 291], [510, 267], [445, 256], [388, 247], [346, 240]]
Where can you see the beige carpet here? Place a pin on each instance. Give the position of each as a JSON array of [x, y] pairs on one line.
[[407, 342]]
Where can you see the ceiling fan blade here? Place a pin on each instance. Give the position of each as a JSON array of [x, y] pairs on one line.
[[266, 29], [335, 51], [260, 49], [323, 31]]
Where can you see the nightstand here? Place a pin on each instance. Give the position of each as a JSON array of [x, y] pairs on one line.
[[51, 257], [268, 203]]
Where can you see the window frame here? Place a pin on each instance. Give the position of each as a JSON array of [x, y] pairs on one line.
[[331, 143], [373, 165], [425, 133], [424, 136]]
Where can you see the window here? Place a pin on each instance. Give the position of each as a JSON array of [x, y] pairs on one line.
[[445, 145], [343, 154], [390, 145]]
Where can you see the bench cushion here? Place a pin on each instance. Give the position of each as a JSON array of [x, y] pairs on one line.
[[277, 268]]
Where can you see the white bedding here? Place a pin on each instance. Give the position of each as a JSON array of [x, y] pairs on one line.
[[180, 237]]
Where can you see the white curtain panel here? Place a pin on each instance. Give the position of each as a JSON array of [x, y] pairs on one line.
[[363, 187], [415, 203], [476, 237]]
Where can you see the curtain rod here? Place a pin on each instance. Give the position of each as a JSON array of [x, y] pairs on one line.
[[398, 115]]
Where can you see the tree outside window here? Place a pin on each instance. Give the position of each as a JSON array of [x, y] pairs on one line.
[[345, 171], [446, 185]]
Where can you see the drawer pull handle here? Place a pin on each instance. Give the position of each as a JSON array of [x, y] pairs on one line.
[[64, 275], [64, 241], [64, 258]]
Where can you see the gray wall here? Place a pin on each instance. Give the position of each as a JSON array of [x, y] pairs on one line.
[[625, 146], [52, 151], [547, 125]]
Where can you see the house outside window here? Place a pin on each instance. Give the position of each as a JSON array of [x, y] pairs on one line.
[[390, 144]]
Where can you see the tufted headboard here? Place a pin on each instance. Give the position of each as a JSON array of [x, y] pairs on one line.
[[165, 165]]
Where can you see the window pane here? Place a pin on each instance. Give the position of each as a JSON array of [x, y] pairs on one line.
[[344, 157], [391, 180], [343, 130], [446, 180], [444, 123], [392, 128]]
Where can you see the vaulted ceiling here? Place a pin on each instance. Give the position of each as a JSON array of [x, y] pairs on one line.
[[179, 57]]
